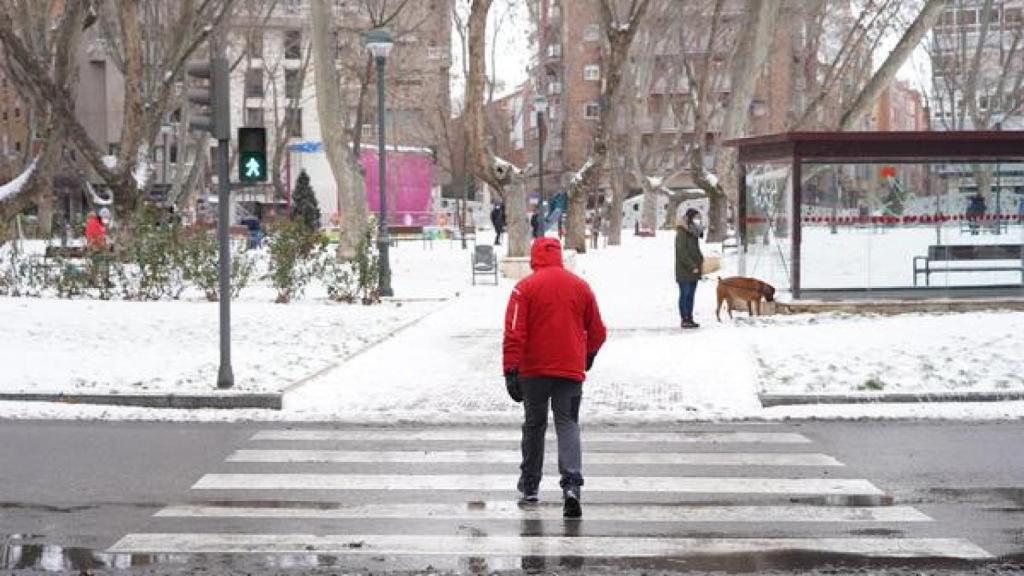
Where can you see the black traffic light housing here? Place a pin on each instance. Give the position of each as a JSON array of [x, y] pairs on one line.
[[211, 97], [252, 155]]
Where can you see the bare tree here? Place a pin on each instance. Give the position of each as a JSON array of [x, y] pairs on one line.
[[619, 36], [146, 103], [497, 173], [331, 107]]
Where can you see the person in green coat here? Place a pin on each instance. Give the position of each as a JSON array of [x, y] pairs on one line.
[[689, 260]]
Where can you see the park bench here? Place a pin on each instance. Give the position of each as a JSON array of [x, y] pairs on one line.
[[950, 253], [403, 233], [65, 252], [484, 262]]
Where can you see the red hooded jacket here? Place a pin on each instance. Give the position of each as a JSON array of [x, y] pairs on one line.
[[95, 231], [552, 321]]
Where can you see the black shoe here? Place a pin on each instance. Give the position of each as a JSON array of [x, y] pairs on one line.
[[689, 325], [571, 506], [528, 496]]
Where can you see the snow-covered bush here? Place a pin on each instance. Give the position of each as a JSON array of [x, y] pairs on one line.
[[198, 258], [294, 259]]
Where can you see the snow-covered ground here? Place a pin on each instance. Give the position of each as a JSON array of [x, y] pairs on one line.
[[172, 347], [444, 365]]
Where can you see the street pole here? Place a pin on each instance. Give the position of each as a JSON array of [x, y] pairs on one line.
[[540, 104], [999, 188], [383, 238], [225, 375], [379, 42]]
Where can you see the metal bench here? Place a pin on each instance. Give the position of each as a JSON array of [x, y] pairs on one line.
[[970, 253], [484, 262]]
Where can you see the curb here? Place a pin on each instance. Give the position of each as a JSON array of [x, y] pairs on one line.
[[232, 402], [770, 400]]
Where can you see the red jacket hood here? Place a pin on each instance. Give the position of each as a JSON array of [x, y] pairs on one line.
[[545, 252]]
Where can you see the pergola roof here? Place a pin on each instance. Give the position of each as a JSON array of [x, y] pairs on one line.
[[888, 147]]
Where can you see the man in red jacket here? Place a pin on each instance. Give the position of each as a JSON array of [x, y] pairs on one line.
[[553, 331]]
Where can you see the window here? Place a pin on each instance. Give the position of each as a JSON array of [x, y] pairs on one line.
[[17, 112], [17, 145], [435, 52], [555, 88], [5, 115], [1012, 15], [292, 87], [254, 117], [368, 131], [293, 44], [592, 32], [555, 50], [254, 83], [592, 72], [255, 46], [293, 122], [592, 111], [969, 17]]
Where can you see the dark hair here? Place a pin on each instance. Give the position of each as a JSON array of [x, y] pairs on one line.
[[690, 213]]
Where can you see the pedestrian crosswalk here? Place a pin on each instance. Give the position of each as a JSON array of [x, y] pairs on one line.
[[448, 495]]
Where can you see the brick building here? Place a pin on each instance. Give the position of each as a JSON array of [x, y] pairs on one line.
[[567, 69], [270, 82]]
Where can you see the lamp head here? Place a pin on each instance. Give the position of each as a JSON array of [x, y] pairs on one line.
[[379, 42]]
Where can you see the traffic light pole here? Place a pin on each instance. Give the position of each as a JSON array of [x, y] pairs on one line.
[[225, 375], [222, 131]]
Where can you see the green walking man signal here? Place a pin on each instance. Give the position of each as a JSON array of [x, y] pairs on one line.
[[252, 155]]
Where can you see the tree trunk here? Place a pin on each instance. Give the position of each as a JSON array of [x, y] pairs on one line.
[[618, 184], [330, 106], [674, 202], [480, 161], [516, 207], [751, 52], [620, 38]]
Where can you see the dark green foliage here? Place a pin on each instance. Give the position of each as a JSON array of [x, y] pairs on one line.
[[304, 205]]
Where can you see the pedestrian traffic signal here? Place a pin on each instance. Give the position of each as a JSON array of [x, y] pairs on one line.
[[252, 154], [209, 95]]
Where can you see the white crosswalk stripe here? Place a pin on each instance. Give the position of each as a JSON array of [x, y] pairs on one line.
[[494, 482], [359, 544], [513, 457], [449, 462], [505, 510], [468, 435]]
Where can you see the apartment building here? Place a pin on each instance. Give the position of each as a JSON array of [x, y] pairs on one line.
[[568, 70], [274, 84]]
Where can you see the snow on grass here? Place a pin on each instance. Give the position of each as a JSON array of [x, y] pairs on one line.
[[172, 347], [445, 365], [913, 353]]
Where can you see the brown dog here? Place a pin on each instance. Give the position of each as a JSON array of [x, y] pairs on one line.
[[737, 291]]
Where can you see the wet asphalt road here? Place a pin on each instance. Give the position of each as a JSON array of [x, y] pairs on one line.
[[69, 491]]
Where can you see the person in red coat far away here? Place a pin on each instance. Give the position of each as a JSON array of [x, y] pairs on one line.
[[95, 231], [553, 331]]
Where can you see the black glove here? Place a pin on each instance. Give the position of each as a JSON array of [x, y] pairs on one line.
[[512, 385], [590, 360]]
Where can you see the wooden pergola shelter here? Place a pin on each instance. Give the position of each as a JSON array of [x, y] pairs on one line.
[[796, 149]]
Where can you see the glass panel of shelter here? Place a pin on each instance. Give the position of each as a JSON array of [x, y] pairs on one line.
[[883, 226]]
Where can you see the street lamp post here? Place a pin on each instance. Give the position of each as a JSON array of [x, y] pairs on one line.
[[540, 104], [999, 180], [379, 43]]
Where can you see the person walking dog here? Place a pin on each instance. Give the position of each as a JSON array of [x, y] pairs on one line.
[[553, 331], [688, 264]]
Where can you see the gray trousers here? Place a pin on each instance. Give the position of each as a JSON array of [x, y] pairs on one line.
[[565, 396]]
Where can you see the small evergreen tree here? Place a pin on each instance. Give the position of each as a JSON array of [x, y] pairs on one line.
[[304, 206]]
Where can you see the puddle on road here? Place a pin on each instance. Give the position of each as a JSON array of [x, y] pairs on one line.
[[19, 555], [16, 554]]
